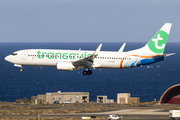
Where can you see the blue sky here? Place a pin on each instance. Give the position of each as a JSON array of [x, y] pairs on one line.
[[87, 20]]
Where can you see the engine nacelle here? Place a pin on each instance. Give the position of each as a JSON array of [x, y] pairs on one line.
[[65, 66]]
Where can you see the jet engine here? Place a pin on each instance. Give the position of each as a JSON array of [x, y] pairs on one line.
[[65, 66]]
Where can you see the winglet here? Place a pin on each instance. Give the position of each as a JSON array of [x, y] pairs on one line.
[[97, 50], [122, 48]]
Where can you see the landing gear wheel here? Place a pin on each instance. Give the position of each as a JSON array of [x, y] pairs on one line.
[[89, 72], [85, 72], [21, 70]]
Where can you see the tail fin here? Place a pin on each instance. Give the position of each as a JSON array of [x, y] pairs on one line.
[[157, 43]]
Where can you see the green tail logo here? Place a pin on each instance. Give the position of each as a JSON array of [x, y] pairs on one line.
[[158, 42]]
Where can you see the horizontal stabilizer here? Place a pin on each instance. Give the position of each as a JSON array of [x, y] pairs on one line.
[[170, 54]]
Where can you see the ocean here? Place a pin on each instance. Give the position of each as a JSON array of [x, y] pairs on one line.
[[147, 82]]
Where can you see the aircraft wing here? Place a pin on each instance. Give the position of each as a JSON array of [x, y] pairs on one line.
[[88, 62]]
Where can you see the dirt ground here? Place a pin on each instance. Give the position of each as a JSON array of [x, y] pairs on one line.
[[8, 109]]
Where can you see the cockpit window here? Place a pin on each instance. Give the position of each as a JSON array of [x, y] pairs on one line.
[[14, 53]]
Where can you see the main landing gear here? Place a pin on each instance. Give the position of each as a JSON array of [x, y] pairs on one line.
[[87, 72]]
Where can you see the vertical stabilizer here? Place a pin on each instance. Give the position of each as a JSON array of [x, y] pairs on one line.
[[157, 43]]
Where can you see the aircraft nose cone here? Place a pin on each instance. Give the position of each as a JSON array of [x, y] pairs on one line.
[[7, 58]]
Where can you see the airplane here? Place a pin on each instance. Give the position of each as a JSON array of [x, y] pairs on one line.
[[69, 60]]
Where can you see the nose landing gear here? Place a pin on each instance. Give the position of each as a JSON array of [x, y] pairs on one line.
[[21, 70], [16, 65], [87, 72]]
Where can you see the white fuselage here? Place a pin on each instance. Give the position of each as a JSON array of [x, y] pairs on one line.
[[70, 60], [50, 57]]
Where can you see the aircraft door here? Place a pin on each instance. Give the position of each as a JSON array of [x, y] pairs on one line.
[[24, 55]]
